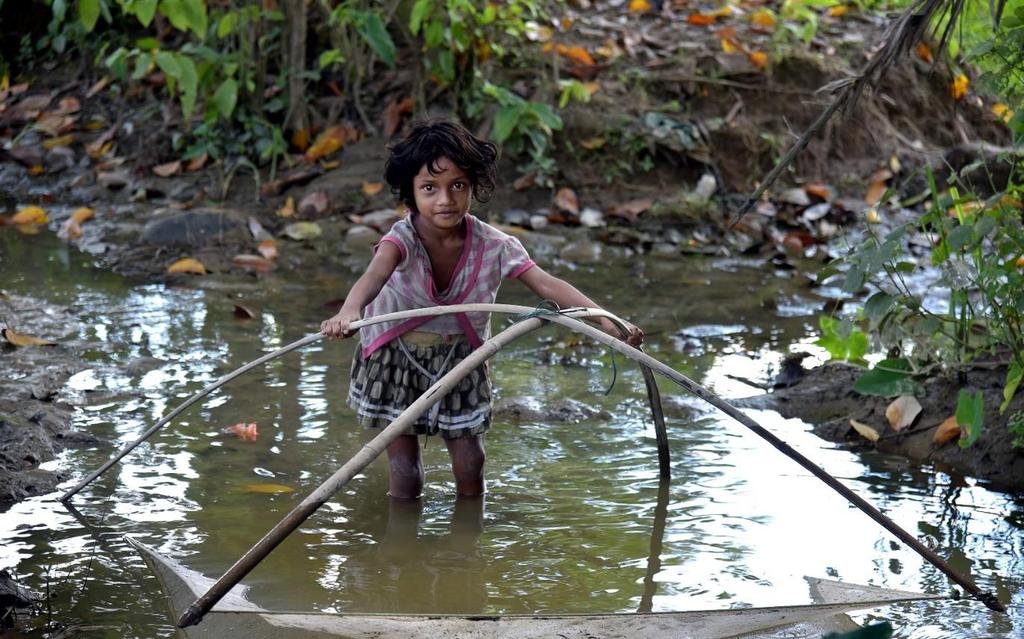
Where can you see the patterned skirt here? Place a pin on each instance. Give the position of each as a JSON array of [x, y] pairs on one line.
[[398, 373]]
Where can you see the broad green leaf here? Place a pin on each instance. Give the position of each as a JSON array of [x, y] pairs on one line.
[[189, 85], [970, 410], [168, 63], [1013, 379], [329, 57], [371, 27], [174, 11], [856, 346], [227, 23], [434, 35], [145, 10], [889, 378], [877, 306], [147, 44], [89, 13], [420, 12], [142, 63], [505, 121], [960, 237], [226, 97], [830, 269], [195, 13]]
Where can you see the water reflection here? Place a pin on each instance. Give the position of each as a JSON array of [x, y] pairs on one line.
[[576, 518]]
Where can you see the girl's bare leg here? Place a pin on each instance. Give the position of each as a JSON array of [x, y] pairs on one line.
[[406, 468], [468, 464]]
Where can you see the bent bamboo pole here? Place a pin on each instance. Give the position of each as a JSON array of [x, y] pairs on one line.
[[202, 605], [511, 309], [361, 460]]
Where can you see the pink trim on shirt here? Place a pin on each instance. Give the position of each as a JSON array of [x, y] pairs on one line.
[[522, 269], [392, 240]]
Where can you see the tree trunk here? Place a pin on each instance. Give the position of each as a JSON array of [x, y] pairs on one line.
[[294, 62]]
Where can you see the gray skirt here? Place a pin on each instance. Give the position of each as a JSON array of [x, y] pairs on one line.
[[399, 372]]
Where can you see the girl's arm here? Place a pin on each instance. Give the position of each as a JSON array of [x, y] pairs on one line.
[[566, 295], [366, 288]]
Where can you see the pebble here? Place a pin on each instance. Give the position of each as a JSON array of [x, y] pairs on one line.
[[592, 218], [581, 251], [538, 222], [516, 217], [706, 187], [361, 236]]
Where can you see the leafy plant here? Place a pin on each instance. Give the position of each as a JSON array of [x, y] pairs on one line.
[[842, 339], [521, 123]]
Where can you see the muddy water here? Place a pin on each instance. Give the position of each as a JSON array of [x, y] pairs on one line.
[[574, 520]]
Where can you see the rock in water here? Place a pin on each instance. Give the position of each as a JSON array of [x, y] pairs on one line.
[[193, 229]]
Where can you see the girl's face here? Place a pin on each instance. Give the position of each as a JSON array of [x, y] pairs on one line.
[[442, 199]]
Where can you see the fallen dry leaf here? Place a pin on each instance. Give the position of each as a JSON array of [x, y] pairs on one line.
[[818, 190], [267, 489], [298, 176], [1002, 112], [946, 432], [728, 45], [253, 263], [631, 210], [700, 19], [902, 412], [36, 169], [68, 105], [54, 124], [327, 142], [62, 140], [302, 231], [24, 340], [268, 248], [314, 204], [639, 6], [98, 86], [591, 144], [839, 10], [30, 215], [393, 113], [877, 186], [245, 432], [758, 58], [576, 54], [197, 162], [763, 19], [70, 231], [924, 52], [82, 214], [300, 139], [958, 88], [865, 431], [566, 200], [187, 265], [256, 229], [168, 169], [372, 188], [525, 182], [288, 209]]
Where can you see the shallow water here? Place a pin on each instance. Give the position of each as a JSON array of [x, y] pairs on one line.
[[575, 519]]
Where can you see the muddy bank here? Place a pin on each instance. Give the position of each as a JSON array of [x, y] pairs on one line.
[[825, 399], [35, 421]]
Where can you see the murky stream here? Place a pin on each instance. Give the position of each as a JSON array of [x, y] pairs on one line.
[[573, 510]]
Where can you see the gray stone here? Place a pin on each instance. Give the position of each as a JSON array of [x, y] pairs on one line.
[[361, 236], [382, 220], [531, 409], [581, 251], [592, 218], [516, 217], [538, 222], [193, 229]]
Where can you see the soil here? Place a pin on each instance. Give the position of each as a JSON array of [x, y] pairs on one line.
[[825, 398], [736, 118]]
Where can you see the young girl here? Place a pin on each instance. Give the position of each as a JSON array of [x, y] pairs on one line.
[[437, 255]]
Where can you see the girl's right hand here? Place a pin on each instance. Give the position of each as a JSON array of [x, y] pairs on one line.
[[338, 326]]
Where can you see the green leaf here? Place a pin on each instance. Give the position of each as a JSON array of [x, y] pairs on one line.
[[147, 44], [89, 13], [189, 85], [1014, 375], [371, 27], [420, 12], [889, 378], [174, 11], [145, 10], [960, 237], [970, 411], [195, 13], [168, 63], [434, 35], [226, 97], [878, 305], [227, 24], [505, 121], [329, 57]]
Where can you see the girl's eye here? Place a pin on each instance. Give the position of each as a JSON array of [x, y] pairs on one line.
[[427, 187], [459, 186]]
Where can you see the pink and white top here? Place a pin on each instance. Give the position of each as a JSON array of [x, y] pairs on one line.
[[488, 257]]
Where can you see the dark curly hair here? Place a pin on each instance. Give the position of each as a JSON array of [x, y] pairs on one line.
[[431, 140]]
